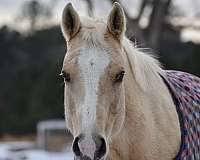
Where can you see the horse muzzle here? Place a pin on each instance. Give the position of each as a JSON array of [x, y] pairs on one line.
[[92, 147]]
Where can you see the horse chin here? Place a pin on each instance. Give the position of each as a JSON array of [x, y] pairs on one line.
[[87, 158]]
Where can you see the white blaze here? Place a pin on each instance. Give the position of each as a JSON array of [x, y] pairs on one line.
[[92, 63]]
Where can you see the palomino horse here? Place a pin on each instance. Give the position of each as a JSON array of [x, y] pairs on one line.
[[117, 103]]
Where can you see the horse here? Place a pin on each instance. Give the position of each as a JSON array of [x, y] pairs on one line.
[[118, 105]]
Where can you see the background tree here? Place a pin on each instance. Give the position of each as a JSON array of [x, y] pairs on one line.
[[36, 14]]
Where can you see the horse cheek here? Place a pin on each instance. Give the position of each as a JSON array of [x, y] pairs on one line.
[[119, 114]]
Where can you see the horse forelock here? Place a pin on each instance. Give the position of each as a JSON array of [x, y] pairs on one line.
[[92, 31]]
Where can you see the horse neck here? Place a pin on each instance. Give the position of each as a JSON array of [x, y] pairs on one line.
[[150, 113]]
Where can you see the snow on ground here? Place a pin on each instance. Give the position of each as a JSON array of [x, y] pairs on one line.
[[43, 155], [23, 151]]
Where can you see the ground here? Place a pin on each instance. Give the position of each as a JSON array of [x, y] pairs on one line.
[[22, 150]]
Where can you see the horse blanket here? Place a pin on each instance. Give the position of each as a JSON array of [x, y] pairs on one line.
[[185, 91]]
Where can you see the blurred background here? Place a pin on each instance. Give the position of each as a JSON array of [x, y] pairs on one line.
[[32, 49]]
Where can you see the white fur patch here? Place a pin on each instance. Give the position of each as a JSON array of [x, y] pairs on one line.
[[92, 62]]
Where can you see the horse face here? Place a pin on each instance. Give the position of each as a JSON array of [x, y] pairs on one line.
[[94, 90]]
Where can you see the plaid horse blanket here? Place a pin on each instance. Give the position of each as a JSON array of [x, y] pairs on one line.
[[185, 91]]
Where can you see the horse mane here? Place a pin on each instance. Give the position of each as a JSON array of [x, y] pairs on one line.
[[145, 68]]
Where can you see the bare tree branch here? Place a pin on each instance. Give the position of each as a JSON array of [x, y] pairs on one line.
[[157, 20], [143, 5]]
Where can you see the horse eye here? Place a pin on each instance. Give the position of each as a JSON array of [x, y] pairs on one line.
[[119, 77], [66, 76]]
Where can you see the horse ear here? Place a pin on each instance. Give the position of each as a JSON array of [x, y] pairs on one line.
[[70, 22], [116, 21]]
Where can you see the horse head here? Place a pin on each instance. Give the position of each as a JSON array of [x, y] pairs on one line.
[[93, 72]]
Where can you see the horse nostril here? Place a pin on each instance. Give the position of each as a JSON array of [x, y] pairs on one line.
[[75, 147], [87, 149], [101, 150]]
